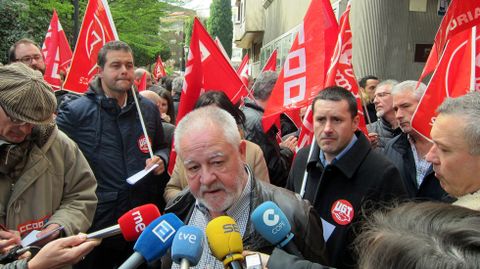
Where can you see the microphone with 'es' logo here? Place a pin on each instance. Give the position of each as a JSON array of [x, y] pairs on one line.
[[272, 224], [187, 246], [130, 224], [225, 241], [154, 242]]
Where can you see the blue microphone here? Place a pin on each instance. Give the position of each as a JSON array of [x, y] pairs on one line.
[[154, 241], [187, 246], [272, 224]]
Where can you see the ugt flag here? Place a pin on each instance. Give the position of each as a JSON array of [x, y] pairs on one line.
[[159, 69], [97, 29]]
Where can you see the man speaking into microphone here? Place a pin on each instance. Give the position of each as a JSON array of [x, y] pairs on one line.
[[220, 183]]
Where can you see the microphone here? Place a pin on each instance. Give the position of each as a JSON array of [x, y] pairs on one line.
[[187, 246], [225, 241], [154, 242], [272, 224], [130, 224]]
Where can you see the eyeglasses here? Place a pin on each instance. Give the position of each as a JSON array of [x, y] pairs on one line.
[[29, 58], [13, 120], [381, 94]]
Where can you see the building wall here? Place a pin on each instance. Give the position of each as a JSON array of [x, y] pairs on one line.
[[385, 33]]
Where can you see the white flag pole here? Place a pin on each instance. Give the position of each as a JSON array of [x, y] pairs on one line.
[[473, 60], [142, 122]]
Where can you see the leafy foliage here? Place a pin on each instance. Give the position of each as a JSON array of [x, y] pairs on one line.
[[220, 23]]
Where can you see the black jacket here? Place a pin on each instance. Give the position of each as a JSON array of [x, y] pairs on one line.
[[279, 159], [398, 150], [111, 138], [361, 180], [384, 130], [304, 220]]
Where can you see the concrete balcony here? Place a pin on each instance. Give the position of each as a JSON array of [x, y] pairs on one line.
[[250, 23]]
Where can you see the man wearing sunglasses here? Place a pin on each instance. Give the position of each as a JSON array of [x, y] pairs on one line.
[[27, 52], [45, 181]]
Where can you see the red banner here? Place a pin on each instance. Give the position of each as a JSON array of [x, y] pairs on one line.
[[303, 74], [97, 29], [159, 69], [452, 78], [242, 70], [271, 64], [206, 69], [57, 53]]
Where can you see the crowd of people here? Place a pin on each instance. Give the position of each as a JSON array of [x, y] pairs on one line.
[[390, 198]]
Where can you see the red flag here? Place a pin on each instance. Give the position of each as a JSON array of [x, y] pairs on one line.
[[461, 15], [452, 78], [222, 49], [340, 74], [303, 73], [57, 53], [159, 69], [206, 69], [341, 71], [97, 29], [142, 85], [271, 64], [242, 70]]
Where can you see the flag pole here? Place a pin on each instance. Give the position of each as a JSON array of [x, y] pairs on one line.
[[473, 58], [305, 175], [142, 122]]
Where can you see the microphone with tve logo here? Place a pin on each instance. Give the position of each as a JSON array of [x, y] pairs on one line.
[[154, 242], [131, 224], [187, 246], [225, 241], [272, 224]]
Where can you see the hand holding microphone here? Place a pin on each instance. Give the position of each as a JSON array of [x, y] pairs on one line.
[[225, 241], [187, 246], [272, 224], [131, 224]]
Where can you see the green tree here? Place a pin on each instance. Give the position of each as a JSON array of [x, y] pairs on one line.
[[220, 23]]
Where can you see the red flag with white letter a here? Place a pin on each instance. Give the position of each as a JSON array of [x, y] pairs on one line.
[[271, 64], [242, 70], [56, 51], [97, 29], [303, 74], [457, 73], [159, 69]]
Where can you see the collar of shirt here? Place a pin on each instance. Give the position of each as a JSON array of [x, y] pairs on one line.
[[324, 161], [240, 212], [3, 142]]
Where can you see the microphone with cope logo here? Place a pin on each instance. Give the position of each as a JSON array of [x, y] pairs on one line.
[[187, 246], [225, 241], [154, 242], [131, 224], [272, 224]]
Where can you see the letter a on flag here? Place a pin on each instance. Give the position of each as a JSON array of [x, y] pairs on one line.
[[159, 69], [97, 29], [303, 74], [57, 53], [242, 70]]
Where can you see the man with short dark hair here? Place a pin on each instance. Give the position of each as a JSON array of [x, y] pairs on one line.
[[278, 157], [344, 175], [455, 154], [45, 181], [367, 85], [408, 150], [105, 124], [27, 52]]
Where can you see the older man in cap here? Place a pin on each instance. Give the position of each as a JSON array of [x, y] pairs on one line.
[[455, 154], [45, 181]]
